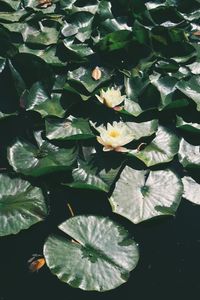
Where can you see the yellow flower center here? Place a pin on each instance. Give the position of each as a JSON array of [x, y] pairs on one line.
[[114, 133]]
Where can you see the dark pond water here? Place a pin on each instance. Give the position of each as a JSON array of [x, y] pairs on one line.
[[169, 265]]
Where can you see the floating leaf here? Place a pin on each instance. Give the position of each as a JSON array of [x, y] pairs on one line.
[[142, 195], [191, 190], [39, 100], [189, 155], [83, 76], [143, 129], [68, 129], [21, 205], [190, 127], [191, 88], [162, 149], [35, 161], [99, 257], [132, 107], [98, 173]]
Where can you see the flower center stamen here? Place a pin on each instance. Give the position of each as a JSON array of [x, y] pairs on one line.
[[114, 133]]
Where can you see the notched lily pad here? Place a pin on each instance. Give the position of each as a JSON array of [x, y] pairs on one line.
[[162, 149], [99, 257], [31, 160], [21, 205], [142, 195]]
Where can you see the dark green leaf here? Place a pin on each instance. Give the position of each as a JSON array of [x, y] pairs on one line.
[[190, 127]]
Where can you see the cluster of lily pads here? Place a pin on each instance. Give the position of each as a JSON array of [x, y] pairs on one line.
[[106, 93]]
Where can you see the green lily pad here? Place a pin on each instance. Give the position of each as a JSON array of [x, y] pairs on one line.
[[143, 129], [189, 127], [68, 129], [191, 89], [35, 161], [39, 100], [162, 149], [83, 76], [97, 174], [99, 257], [131, 107], [142, 195], [189, 155], [191, 190], [21, 205]]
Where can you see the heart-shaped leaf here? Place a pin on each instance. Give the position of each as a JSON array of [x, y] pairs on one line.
[[21, 205], [142, 195], [35, 161], [99, 257]]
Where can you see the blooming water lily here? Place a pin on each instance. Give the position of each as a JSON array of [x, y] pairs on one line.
[[111, 98], [115, 136]]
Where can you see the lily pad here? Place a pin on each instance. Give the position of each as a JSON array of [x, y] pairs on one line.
[[189, 155], [39, 100], [191, 190], [99, 256], [83, 76], [35, 161], [142, 195], [189, 127], [143, 129], [96, 174], [21, 205], [191, 88], [162, 149], [68, 129]]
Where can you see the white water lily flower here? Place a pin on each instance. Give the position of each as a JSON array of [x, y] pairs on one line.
[[111, 98], [115, 136]]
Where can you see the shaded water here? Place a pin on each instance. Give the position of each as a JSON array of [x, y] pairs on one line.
[[169, 264]]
